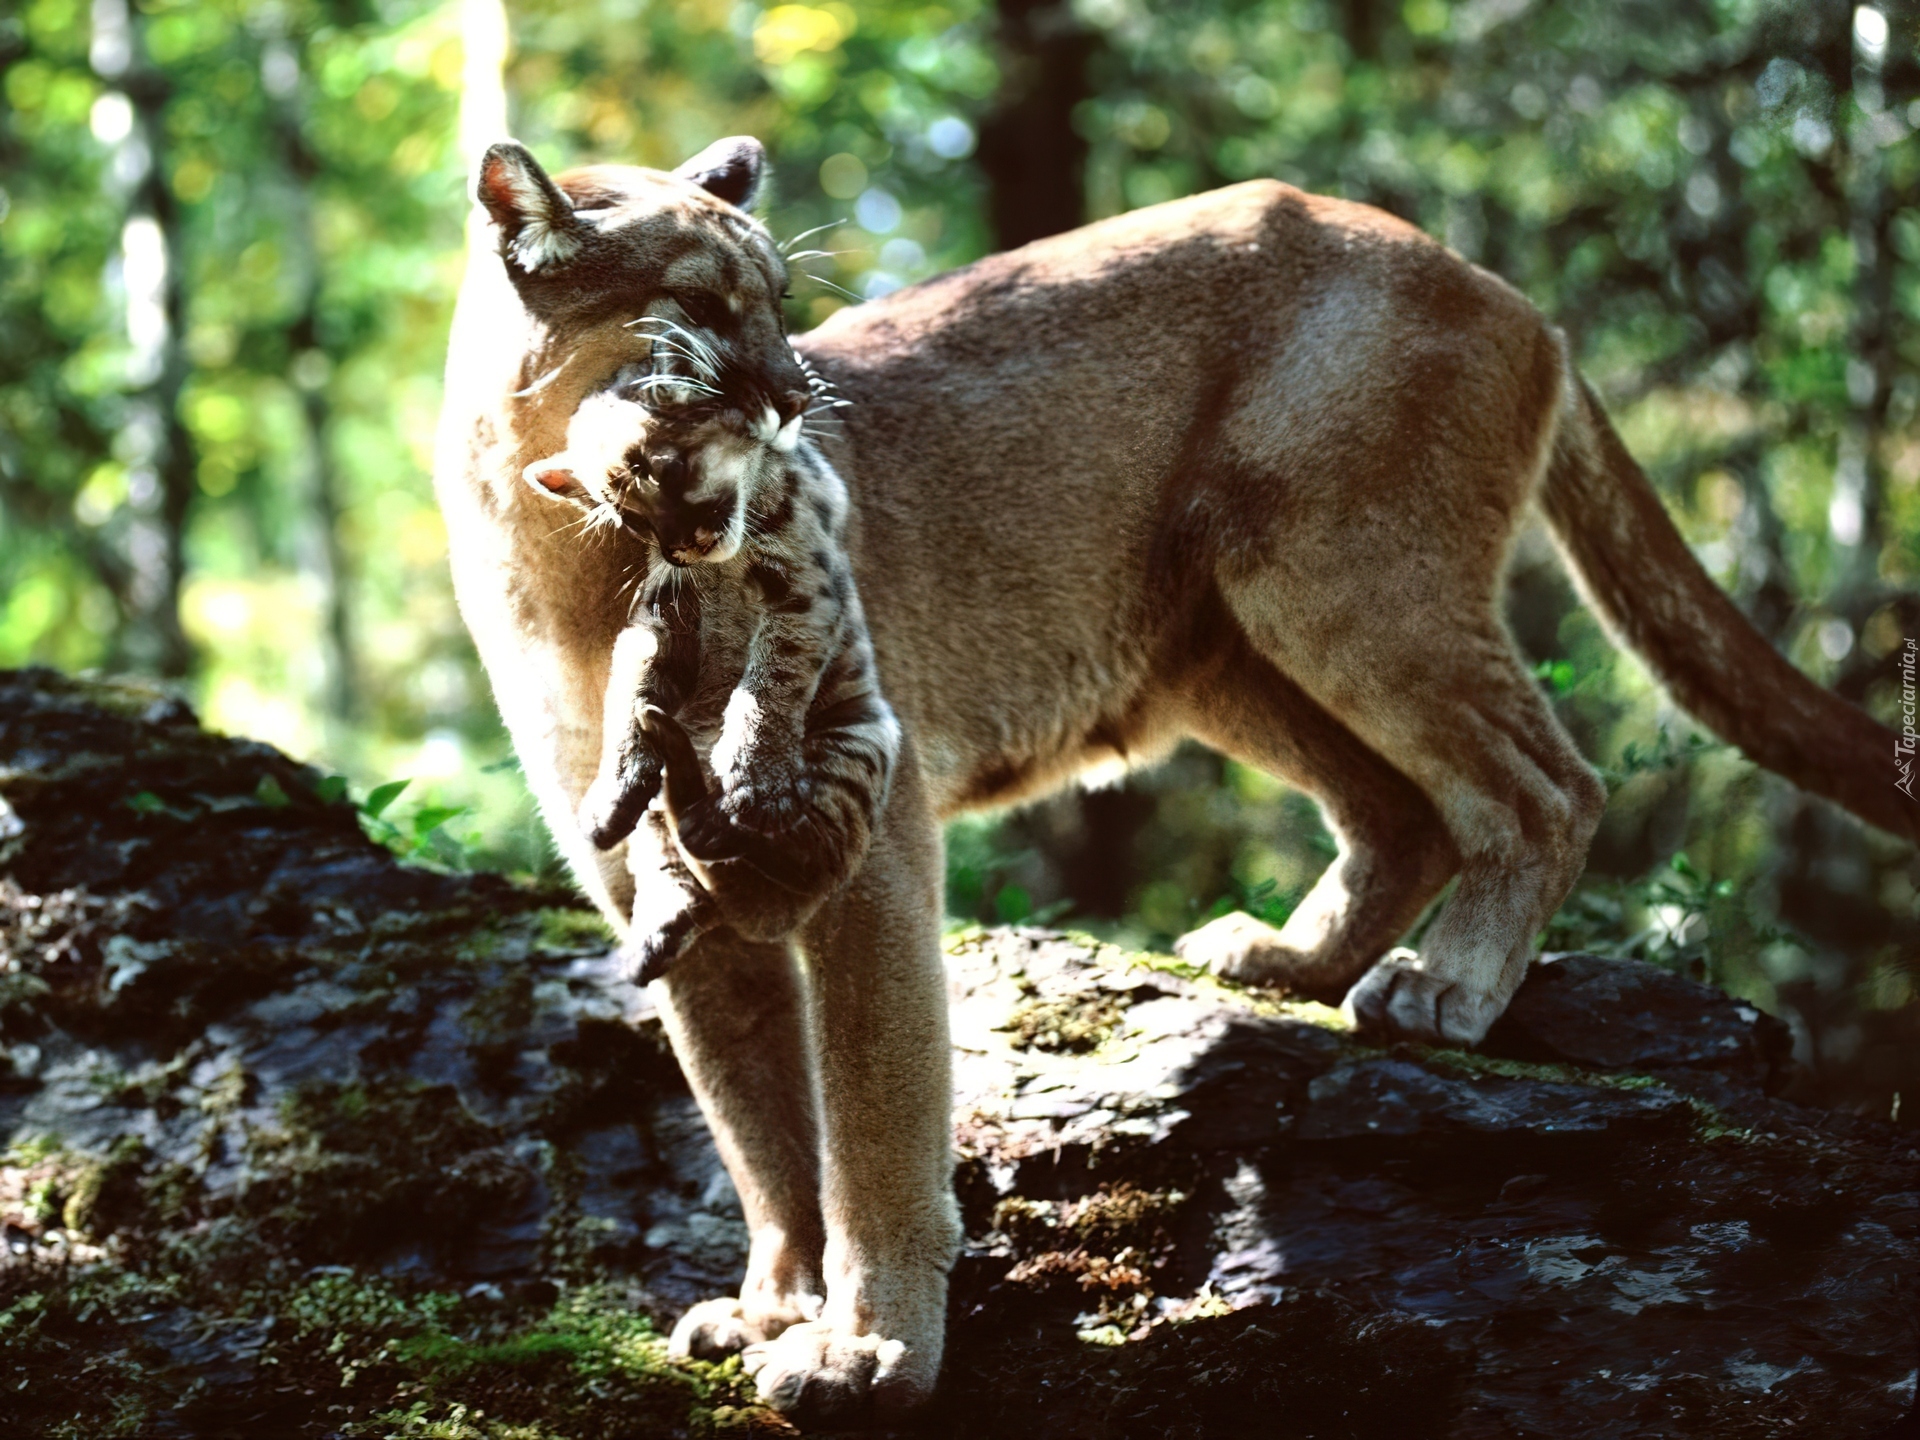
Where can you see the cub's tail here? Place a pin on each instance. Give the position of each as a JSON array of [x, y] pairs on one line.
[[1637, 573]]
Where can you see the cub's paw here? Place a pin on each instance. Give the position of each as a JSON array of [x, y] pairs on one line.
[[769, 806], [816, 1374], [715, 1329], [646, 957], [708, 833], [1401, 999], [616, 800]]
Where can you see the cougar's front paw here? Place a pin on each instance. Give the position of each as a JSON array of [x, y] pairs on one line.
[[818, 1374], [1403, 999], [616, 800]]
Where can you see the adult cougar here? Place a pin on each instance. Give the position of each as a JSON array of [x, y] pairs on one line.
[[1245, 467]]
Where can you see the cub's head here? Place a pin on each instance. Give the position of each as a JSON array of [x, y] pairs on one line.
[[648, 286], [681, 475]]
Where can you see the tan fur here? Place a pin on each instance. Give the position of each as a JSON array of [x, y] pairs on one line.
[[1246, 467]]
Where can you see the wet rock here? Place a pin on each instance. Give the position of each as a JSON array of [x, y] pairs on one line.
[[299, 1137], [1390, 1097], [1622, 1015]]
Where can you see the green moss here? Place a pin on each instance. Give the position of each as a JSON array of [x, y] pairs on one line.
[[358, 1355], [101, 1187], [1259, 1001], [371, 1168], [1470, 1062], [582, 930], [1710, 1122], [590, 1368], [447, 1357]]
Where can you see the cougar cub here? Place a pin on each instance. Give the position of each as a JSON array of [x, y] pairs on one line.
[[747, 643]]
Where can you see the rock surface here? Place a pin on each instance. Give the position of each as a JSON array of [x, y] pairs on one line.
[[304, 1142]]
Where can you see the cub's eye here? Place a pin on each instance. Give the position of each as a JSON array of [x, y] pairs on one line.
[[705, 310]]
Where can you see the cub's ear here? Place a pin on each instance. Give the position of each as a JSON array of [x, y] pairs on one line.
[[553, 479], [730, 169], [538, 229]]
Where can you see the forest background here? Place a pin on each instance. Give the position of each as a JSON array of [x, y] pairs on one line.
[[230, 235]]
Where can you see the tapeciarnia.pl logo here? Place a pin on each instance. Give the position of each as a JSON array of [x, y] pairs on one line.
[[1903, 746]]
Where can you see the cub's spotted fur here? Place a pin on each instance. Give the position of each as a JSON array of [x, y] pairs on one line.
[[748, 643]]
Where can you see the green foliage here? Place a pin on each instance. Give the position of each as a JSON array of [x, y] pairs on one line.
[[980, 867], [421, 836], [1673, 916], [1664, 754], [1265, 902]]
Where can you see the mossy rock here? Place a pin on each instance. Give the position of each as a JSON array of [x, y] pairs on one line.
[[305, 1142]]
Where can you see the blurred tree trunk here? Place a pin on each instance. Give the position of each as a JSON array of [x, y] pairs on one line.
[[1033, 158], [153, 443], [321, 553], [1035, 163], [1361, 27]]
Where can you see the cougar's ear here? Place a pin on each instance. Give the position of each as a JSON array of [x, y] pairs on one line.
[[730, 169], [553, 479], [538, 229]]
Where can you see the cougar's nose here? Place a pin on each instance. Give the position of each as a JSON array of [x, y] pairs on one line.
[[792, 403]]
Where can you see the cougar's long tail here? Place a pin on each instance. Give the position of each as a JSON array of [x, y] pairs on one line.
[[1638, 574]]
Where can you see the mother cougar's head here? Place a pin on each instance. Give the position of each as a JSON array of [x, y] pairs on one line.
[[661, 279]]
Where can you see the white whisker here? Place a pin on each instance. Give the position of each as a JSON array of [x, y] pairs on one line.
[[806, 234], [822, 280], [698, 350], [665, 381]]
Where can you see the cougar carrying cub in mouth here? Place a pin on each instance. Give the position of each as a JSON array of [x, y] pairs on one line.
[[1245, 467], [748, 643]]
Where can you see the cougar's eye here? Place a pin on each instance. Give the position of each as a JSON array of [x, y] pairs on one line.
[[705, 310]]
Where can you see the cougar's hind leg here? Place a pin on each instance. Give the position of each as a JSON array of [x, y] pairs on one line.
[[1431, 682], [1394, 853], [733, 1011], [878, 1006]]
